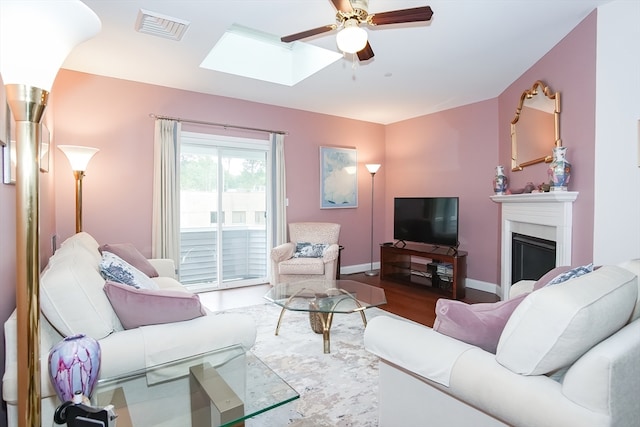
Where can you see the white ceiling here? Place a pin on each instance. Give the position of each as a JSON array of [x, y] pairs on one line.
[[470, 51]]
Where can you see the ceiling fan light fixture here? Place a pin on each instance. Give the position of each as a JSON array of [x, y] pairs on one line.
[[351, 38]]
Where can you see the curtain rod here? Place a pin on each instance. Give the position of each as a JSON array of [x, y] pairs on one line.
[[199, 122]]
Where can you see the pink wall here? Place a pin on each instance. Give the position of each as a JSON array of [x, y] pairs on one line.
[[113, 115], [454, 153], [569, 68], [451, 153]]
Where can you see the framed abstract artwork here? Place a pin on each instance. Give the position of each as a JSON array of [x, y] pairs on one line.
[[338, 178]]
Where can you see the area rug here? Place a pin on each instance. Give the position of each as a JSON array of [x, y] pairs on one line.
[[336, 389]]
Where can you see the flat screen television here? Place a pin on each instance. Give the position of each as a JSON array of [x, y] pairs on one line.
[[431, 220]]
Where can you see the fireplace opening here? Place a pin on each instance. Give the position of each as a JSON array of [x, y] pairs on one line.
[[531, 257]]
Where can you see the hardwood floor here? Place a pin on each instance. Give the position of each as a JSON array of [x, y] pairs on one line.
[[413, 302]]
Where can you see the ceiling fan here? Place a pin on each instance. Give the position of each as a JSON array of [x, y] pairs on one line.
[[353, 13]]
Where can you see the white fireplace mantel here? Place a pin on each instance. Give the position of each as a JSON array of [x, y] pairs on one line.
[[544, 215]]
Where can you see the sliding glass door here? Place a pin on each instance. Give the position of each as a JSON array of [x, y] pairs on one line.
[[224, 194]]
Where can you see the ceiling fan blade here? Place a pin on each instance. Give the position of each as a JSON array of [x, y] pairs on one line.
[[415, 14], [308, 33], [366, 53], [342, 5]]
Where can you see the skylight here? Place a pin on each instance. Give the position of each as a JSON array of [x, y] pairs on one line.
[[250, 53]]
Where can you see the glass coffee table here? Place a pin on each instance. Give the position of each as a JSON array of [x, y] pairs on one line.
[[322, 299], [223, 388]]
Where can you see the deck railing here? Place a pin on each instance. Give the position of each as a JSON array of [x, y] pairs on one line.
[[244, 254]]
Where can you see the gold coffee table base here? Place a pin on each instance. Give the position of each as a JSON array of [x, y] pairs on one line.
[[326, 318]]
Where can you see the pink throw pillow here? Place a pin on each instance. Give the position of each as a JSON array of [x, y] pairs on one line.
[[130, 254], [141, 307], [476, 324]]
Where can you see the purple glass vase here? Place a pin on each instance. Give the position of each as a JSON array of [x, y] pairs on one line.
[[74, 365]]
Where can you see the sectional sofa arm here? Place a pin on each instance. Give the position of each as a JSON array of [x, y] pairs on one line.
[[414, 347], [608, 373], [521, 287], [165, 267]]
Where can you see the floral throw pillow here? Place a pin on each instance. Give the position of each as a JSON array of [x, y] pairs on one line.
[[571, 274], [310, 250], [130, 254], [114, 268]]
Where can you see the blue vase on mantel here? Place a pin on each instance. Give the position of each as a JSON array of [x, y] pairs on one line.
[[559, 170], [500, 181]]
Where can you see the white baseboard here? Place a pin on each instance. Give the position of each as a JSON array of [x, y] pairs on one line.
[[491, 288], [360, 268]]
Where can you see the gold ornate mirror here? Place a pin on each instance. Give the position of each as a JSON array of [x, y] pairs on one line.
[[535, 129]]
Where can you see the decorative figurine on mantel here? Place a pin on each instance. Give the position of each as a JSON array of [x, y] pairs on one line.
[[559, 170], [500, 181]]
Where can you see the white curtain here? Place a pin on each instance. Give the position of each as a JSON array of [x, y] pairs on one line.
[[166, 190], [279, 220]]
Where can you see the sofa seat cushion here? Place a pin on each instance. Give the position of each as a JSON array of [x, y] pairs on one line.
[[557, 324], [168, 283], [141, 307], [302, 266], [417, 348]]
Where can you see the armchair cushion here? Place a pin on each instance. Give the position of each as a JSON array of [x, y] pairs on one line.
[[141, 307], [302, 266], [310, 250]]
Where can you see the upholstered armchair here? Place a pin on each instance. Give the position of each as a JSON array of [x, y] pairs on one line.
[[312, 252]]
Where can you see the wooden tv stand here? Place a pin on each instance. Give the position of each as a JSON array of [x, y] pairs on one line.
[[400, 264]]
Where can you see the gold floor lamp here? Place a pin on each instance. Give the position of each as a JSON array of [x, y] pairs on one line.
[[79, 159], [372, 168], [35, 39]]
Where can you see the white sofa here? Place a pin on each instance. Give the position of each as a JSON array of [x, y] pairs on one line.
[[589, 324], [73, 301]]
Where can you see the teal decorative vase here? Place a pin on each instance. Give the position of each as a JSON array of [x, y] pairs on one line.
[[559, 170], [500, 181], [74, 365]]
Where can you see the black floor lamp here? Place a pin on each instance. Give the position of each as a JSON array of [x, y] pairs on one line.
[[372, 168]]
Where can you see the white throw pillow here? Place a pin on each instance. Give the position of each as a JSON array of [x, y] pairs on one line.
[[71, 294], [556, 325]]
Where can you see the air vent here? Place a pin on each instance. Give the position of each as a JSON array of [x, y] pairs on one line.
[[161, 25]]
